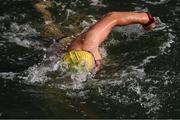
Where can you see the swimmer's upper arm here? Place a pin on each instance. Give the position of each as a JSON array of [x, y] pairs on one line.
[[100, 30]]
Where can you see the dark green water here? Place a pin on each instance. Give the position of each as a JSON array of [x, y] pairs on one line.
[[140, 77]]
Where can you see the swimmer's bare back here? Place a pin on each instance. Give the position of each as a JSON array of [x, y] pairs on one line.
[[96, 34]]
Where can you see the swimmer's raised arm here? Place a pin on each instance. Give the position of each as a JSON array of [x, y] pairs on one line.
[[102, 28], [96, 34]]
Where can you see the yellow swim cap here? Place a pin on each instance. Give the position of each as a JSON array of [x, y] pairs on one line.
[[79, 60]]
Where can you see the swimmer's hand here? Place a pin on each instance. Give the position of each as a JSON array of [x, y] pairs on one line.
[[151, 24], [150, 27]]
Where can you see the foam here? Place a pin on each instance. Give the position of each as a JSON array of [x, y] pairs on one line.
[[167, 44], [8, 75], [157, 2], [97, 3], [21, 35], [129, 79]]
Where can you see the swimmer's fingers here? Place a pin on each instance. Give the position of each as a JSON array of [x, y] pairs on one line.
[[150, 27]]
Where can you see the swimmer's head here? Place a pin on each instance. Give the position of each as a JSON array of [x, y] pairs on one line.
[[79, 60]]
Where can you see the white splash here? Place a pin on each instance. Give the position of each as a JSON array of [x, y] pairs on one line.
[[21, 35], [167, 44], [8, 75], [157, 2], [97, 3]]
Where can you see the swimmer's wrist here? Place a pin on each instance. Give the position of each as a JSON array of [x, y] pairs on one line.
[[151, 22]]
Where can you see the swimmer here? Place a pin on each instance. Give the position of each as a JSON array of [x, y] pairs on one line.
[[85, 47], [83, 51]]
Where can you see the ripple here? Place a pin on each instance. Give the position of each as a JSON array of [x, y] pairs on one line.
[[8, 75], [22, 35], [97, 3], [157, 2]]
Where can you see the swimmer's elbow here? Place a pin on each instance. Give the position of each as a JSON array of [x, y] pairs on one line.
[[111, 14]]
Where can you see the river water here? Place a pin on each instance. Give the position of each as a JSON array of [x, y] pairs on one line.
[[140, 75]]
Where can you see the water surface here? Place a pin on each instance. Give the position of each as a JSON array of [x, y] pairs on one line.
[[139, 78]]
